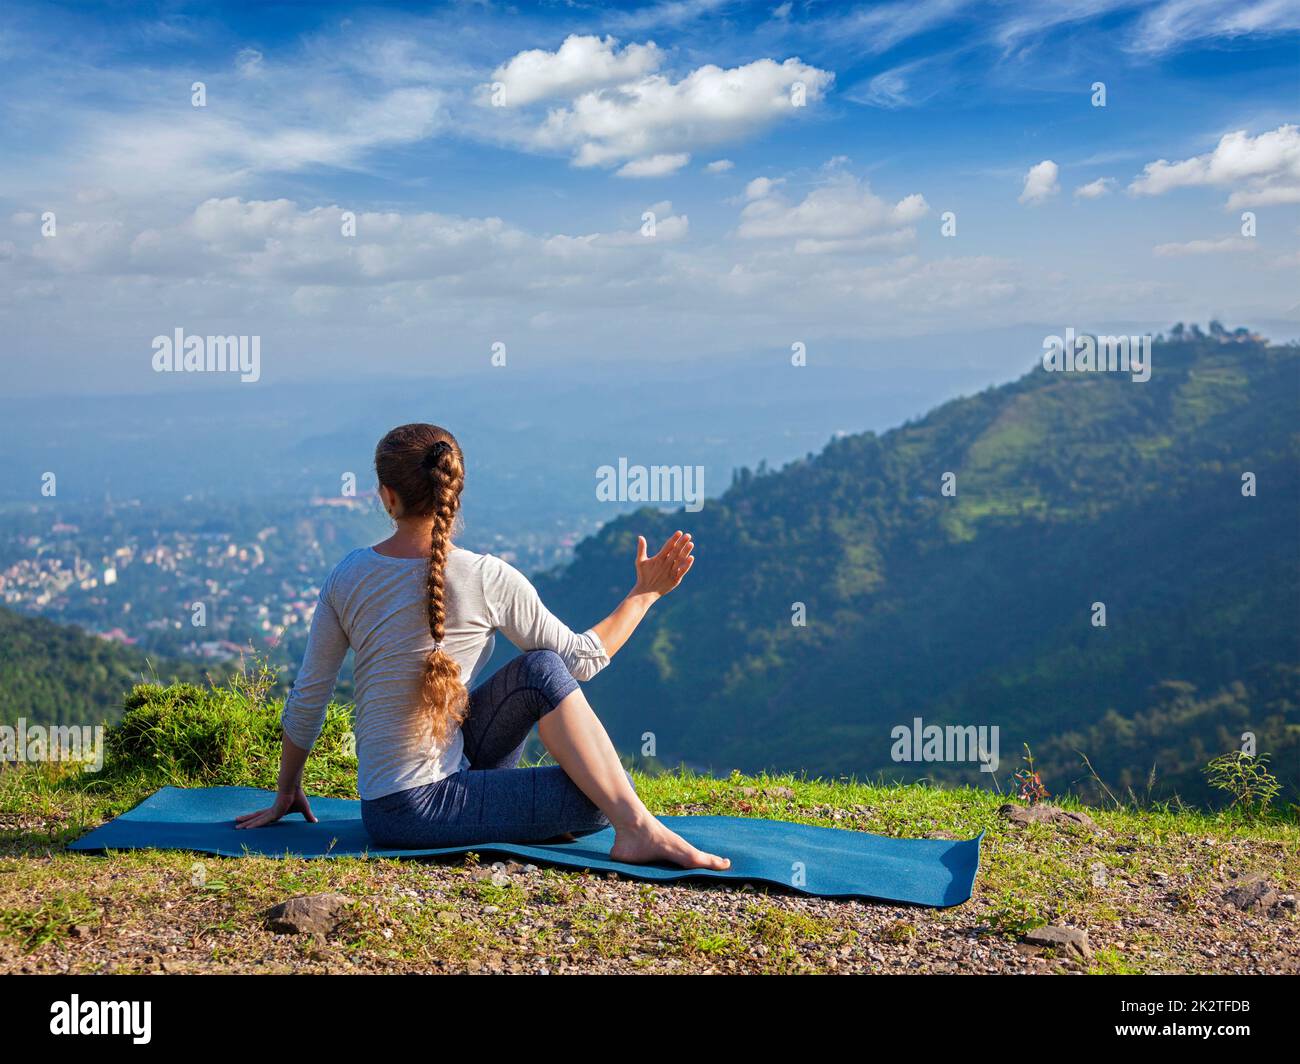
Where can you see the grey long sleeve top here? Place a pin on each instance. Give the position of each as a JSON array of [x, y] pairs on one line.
[[376, 606]]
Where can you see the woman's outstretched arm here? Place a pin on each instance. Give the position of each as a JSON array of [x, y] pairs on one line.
[[518, 613], [656, 575]]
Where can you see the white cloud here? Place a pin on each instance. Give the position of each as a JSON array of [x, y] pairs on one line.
[[1271, 195], [249, 62], [579, 65], [841, 215], [669, 228], [1095, 189], [86, 247], [1040, 183], [907, 85], [657, 116], [1206, 247], [887, 89], [666, 13], [170, 215], [1177, 23], [1266, 167], [278, 242], [762, 186], [654, 166], [878, 27], [209, 151], [290, 269], [1032, 21]]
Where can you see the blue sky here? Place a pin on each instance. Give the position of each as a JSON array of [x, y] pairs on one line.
[[500, 161]]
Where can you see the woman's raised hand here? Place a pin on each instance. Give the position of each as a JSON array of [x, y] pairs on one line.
[[660, 573]]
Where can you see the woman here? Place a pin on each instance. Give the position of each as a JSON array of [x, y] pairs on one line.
[[435, 762]]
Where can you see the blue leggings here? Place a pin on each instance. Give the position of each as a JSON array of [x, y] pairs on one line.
[[492, 800]]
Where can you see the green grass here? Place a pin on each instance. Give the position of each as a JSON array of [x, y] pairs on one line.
[[414, 916]]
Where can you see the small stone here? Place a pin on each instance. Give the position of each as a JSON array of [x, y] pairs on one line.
[[1252, 892], [1069, 941], [1038, 813], [308, 914]]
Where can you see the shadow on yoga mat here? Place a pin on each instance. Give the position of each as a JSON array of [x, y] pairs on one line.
[[833, 863]]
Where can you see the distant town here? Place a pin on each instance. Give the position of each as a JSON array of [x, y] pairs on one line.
[[207, 580]]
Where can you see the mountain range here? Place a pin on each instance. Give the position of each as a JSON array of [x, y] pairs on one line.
[[1101, 583]]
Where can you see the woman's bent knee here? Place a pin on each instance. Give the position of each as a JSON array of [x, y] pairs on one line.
[[545, 671]]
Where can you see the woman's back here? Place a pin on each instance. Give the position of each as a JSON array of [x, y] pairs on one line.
[[421, 616], [378, 606]]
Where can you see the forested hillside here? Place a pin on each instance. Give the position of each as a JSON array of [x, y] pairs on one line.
[[56, 674], [978, 608]]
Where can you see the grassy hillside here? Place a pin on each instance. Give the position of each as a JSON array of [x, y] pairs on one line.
[[1154, 889], [55, 674], [977, 609]]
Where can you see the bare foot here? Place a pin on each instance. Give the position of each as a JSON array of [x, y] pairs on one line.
[[654, 842]]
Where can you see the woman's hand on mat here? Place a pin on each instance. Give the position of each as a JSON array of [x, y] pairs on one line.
[[283, 806], [660, 573]]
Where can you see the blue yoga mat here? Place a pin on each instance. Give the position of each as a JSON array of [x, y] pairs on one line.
[[827, 862]]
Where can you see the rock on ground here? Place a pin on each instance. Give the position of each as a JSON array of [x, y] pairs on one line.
[[1069, 941], [309, 914], [1045, 814], [1252, 892]]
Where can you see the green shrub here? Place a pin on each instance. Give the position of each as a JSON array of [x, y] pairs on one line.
[[1246, 778], [188, 736]]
